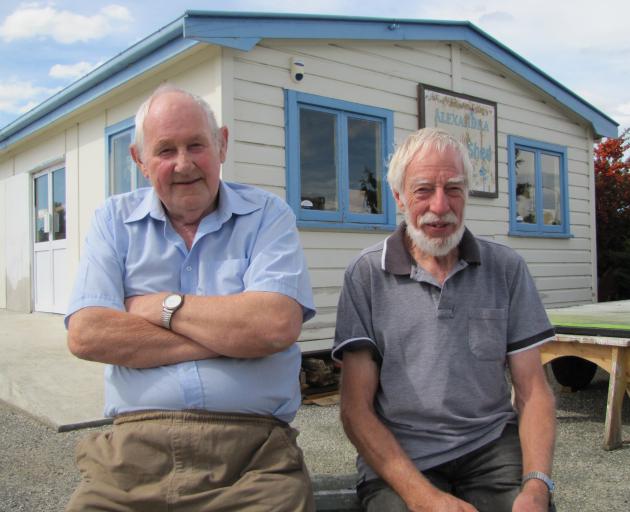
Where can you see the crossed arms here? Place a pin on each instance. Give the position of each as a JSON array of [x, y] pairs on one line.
[[243, 325]]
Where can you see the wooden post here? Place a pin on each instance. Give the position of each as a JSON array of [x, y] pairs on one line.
[[616, 392]]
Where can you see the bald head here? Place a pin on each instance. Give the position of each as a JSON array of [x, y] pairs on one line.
[[168, 89]]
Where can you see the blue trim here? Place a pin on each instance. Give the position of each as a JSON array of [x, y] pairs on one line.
[[110, 131], [338, 226], [343, 110], [244, 30], [539, 229]]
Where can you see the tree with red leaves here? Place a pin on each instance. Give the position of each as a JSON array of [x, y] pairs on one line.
[[612, 189]]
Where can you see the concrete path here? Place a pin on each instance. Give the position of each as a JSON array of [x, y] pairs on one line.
[[40, 376]]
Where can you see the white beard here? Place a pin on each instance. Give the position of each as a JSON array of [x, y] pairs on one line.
[[435, 247]]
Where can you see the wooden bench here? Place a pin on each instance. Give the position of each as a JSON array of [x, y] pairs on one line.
[[610, 354], [335, 493]]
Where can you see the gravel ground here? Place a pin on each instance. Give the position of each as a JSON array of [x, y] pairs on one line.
[[37, 471]]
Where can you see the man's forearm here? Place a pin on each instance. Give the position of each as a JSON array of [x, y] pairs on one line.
[[383, 454], [535, 405], [243, 325], [537, 427], [537, 431], [115, 337]]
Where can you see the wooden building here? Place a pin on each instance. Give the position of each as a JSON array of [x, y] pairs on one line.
[[314, 106]]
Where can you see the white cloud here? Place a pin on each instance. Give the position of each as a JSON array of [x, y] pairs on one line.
[[17, 97], [621, 114], [40, 21], [540, 25], [72, 71]]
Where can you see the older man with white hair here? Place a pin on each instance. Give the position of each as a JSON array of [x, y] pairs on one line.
[[193, 293], [427, 322]]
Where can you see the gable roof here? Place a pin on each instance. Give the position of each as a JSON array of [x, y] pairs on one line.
[[243, 31]]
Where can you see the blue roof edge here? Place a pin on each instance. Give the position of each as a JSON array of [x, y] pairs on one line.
[[243, 30]]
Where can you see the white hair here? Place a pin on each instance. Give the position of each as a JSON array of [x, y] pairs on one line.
[[166, 89], [426, 137]]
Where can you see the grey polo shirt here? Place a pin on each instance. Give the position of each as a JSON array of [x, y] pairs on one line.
[[441, 349]]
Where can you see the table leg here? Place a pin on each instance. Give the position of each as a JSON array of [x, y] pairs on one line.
[[616, 392]]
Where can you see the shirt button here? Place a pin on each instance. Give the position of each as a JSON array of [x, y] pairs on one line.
[[188, 269]]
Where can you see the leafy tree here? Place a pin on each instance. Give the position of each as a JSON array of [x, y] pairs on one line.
[[612, 189]]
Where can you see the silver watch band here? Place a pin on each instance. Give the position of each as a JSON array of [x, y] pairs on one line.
[[539, 475], [167, 314], [170, 305]]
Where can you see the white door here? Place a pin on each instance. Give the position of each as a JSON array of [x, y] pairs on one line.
[[49, 237]]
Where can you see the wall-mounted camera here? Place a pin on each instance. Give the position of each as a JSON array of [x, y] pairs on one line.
[[297, 70]]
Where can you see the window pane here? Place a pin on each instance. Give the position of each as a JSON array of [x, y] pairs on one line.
[[365, 166], [120, 163], [59, 204], [552, 207], [42, 222], [525, 162], [318, 164]]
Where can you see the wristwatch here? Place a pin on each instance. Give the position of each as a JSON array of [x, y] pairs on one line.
[[539, 475], [171, 303]]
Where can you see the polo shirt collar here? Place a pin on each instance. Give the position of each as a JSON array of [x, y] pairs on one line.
[[396, 258], [230, 203]]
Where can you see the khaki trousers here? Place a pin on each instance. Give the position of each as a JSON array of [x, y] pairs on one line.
[[192, 461]]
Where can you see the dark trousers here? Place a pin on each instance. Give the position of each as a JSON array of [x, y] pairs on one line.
[[488, 478]]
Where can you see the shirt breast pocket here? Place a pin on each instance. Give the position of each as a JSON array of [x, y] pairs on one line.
[[487, 333], [223, 277]]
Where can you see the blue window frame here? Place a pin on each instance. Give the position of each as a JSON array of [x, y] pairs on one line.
[[337, 163], [539, 191], [122, 173]]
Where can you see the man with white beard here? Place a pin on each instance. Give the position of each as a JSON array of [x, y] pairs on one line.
[[427, 322]]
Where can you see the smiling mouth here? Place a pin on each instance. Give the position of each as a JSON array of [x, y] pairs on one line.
[[189, 182], [437, 225]]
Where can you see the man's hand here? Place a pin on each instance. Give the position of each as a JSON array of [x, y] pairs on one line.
[[533, 498], [443, 502], [148, 307]]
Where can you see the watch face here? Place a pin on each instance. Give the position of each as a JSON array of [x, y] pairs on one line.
[[172, 301]]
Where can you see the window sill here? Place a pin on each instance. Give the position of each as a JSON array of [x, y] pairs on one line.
[[339, 226], [538, 234]]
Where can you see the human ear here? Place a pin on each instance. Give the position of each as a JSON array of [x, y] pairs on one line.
[[400, 201], [135, 155], [223, 142]]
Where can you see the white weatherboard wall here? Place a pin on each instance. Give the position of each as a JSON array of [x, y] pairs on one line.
[[386, 75], [562, 268], [3, 247], [18, 243]]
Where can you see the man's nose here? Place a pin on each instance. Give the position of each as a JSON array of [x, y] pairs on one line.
[[183, 162], [439, 202]]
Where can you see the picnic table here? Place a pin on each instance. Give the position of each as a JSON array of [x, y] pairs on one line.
[[589, 335]]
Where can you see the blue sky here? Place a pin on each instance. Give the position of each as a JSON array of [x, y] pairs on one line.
[[47, 45]]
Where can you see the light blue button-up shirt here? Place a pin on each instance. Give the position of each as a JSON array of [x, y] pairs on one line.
[[249, 243]]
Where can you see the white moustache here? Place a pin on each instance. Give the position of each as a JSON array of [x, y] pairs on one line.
[[432, 218]]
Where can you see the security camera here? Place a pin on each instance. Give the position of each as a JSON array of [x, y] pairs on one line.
[[297, 70]]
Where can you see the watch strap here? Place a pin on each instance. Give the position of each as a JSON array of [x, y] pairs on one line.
[[539, 475], [167, 313]]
